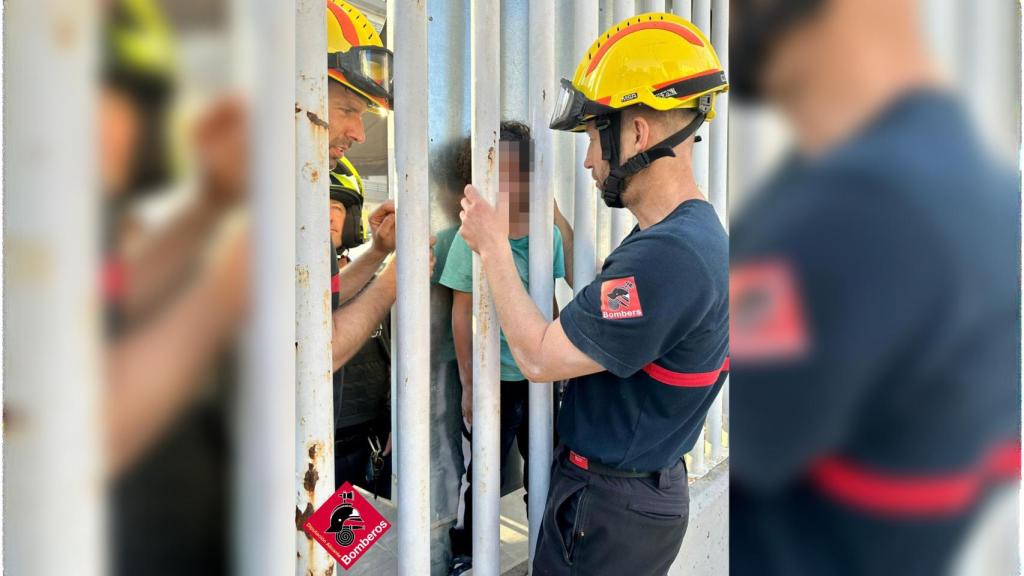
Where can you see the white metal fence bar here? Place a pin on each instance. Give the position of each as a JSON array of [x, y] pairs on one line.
[[718, 186], [263, 531], [585, 199], [621, 218], [314, 446], [542, 287], [412, 341], [51, 237], [486, 106]]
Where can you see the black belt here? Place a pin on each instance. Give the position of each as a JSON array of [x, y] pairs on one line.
[[583, 463]]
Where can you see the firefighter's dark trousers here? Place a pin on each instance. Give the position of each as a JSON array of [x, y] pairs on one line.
[[598, 525]]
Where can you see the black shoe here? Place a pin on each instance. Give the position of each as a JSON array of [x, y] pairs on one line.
[[459, 565]]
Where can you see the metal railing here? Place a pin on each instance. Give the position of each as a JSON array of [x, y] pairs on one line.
[[486, 107], [412, 339]]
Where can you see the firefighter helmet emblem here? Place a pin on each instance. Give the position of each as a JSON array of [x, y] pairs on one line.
[[345, 520]]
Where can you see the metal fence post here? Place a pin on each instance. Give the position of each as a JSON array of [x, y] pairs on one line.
[[622, 220], [486, 105], [719, 184], [314, 402], [263, 533], [701, 17], [541, 238], [585, 199], [645, 6], [53, 465], [683, 8], [413, 305]]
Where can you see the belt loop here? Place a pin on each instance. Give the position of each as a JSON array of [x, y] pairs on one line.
[[664, 479]]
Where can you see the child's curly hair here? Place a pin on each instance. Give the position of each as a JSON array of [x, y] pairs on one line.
[[511, 131]]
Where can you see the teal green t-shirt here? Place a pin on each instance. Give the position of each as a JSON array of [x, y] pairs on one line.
[[444, 344], [458, 275]]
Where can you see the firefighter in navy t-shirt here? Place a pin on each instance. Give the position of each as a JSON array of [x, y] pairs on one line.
[[876, 323], [645, 345]]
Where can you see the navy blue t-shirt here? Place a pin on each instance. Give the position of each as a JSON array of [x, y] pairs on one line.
[[657, 320], [874, 350]]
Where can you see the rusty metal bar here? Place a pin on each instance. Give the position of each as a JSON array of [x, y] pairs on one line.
[[486, 107], [314, 438]]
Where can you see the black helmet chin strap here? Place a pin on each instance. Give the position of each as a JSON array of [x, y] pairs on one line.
[[609, 128]]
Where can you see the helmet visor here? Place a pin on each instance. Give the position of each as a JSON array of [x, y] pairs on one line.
[[568, 108], [573, 109], [368, 68]]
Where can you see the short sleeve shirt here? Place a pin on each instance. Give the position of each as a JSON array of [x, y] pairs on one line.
[[657, 319], [458, 275]]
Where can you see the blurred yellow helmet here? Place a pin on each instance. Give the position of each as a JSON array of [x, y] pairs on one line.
[[139, 44], [655, 60], [356, 57], [347, 188]]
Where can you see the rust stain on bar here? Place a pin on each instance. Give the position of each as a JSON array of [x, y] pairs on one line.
[[317, 120]]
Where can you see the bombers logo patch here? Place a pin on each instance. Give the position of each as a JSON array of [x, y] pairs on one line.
[[346, 526], [766, 313], [620, 299]]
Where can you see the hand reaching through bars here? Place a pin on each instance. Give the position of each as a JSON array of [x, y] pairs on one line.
[[484, 226], [382, 225]]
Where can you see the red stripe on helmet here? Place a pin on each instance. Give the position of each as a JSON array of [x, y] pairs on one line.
[[348, 29], [678, 29]]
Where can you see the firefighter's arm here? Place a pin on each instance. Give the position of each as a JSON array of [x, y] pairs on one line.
[[158, 265], [156, 371], [541, 348], [161, 263], [354, 277], [357, 319]]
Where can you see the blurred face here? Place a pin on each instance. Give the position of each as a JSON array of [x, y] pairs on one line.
[[120, 124], [345, 109], [514, 183], [337, 222], [789, 63]]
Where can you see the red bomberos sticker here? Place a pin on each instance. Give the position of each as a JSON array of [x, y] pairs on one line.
[[766, 313], [346, 526], [620, 299]]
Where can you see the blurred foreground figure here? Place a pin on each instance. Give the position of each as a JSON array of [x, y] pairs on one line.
[[174, 299], [874, 299]]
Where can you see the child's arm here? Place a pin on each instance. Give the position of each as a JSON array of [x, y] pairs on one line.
[[462, 332]]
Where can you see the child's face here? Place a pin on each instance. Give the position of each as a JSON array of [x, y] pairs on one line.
[[514, 182]]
